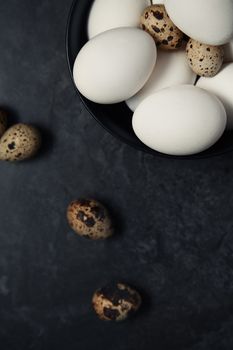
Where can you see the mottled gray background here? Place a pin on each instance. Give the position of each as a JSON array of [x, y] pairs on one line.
[[174, 239]]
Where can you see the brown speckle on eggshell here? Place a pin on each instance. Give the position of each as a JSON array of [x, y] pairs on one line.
[[158, 24], [3, 121], [116, 302], [205, 60], [19, 142], [89, 218]]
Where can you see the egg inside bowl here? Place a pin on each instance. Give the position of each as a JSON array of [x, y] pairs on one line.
[[117, 118]]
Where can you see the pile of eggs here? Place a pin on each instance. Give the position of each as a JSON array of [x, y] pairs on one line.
[[172, 64]]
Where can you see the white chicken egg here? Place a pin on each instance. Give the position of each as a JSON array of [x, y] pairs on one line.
[[208, 21], [221, 85], [171, 69], [180, 120], [114, 65], [109, 14]]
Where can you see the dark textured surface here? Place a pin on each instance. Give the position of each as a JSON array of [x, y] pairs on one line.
[[174, 240]]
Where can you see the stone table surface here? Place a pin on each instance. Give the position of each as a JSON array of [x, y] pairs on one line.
[[174, 238]]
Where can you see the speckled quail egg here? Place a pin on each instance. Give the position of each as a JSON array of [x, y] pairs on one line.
[[205, 60], [19, 142], [116, 302], [89, 218], [157, 23], [3, 122]]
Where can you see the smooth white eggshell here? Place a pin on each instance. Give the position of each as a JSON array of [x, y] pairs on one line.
[[171, 69], [109, 14], [228, 52], [207, 21], [222, 86], [180, 120], [114, 65]]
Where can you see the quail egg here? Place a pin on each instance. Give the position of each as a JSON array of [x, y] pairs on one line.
[[157, 23], [89, 218], [205, 60], [19, 142], [116, 302]]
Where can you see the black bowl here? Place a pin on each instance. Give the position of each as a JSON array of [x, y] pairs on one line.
[[117, 118]]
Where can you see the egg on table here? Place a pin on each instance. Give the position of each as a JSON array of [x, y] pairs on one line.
[[90, 219], [207, 21], [114, 65], [19, 142], [171, 69], [3, 122], [205, 60], [180, 120], [157, 23], [116, 302], [222, 86], [109, 14]]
